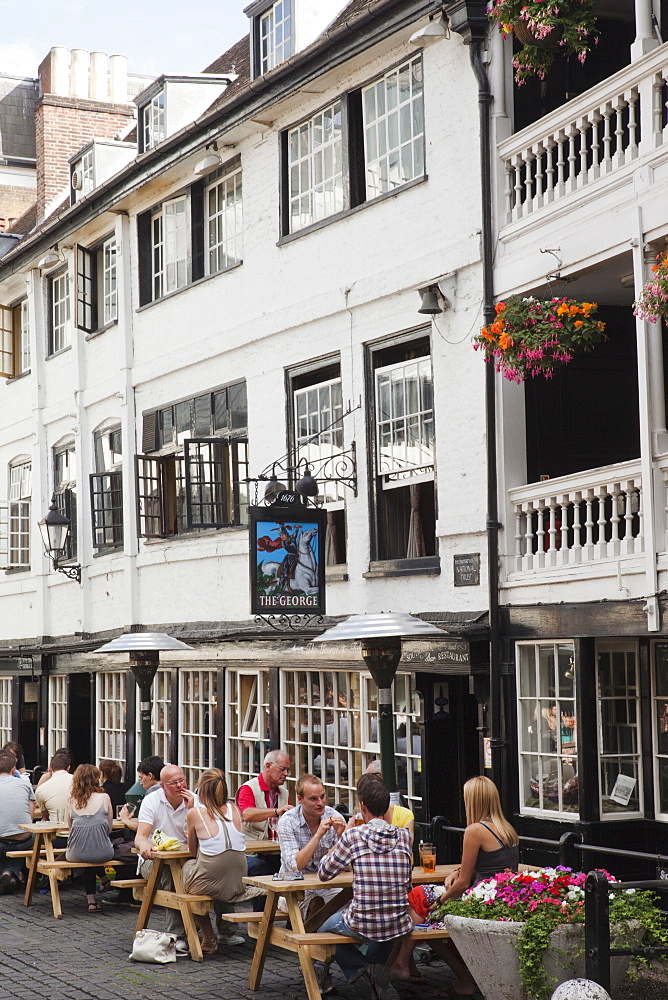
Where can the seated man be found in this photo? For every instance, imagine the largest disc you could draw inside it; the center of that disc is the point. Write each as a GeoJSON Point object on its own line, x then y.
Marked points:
{"type": "Point", "coordinates": [382, 863]}
{"type": "Point", "coordinates": [17, 805]}
{"type": "Point", "coordinates": [148, 775]}
{"type": "Point", "coordinates": [165, 810]}
{"type": "Point", "coordinates": [52, 796]}
{"type": "Point", "coordinates": [262, 801]}
{"type": "Point", "coordinates": [306, 834]}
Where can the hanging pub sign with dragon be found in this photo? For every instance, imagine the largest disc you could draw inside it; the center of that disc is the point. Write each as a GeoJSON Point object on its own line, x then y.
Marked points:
{"type": "Point", "coordinates": [287, 558]}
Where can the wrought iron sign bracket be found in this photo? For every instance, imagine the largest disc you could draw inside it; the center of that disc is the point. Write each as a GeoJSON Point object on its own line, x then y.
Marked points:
{"type": "Point", "coordinates": [291, 623]}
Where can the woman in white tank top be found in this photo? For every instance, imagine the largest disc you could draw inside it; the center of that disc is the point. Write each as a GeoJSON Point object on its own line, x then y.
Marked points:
{"type": "Point", "coordinates": [216, 840]}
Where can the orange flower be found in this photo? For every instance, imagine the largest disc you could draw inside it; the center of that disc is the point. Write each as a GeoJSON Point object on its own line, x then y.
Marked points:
{"type": "Point", "coordinates": [505, 341]}
{"type": "Point", "coordinates": [562, 309]}
{"type": "Point", "coordinates": [499, 307]}
{"type": "Point", "coordinates": [574, 310]}
{"type": "Point", "coordinates": [578, 322]}
{"type": "Point", "coordinates": [486, 334]}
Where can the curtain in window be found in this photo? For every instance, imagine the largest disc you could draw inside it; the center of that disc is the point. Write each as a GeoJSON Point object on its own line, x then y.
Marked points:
{"type": "Point", "coordinates": [416, 547]}
{"type": "Point", "coordinates": [331, 540]}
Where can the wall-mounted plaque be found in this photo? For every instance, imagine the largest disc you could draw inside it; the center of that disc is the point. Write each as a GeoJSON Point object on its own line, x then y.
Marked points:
{"type": "Point", "coordinates": [467, 569]}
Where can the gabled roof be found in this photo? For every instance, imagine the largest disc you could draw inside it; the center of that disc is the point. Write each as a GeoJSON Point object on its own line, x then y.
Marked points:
{"type": "Point", "coordinates": [26, 222]}
{"type": "Point", "coordinates": [353, 8]}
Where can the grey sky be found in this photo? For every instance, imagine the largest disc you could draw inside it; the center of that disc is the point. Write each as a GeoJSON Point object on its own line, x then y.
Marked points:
{"type": "Point", "coordinates": [165, 37]}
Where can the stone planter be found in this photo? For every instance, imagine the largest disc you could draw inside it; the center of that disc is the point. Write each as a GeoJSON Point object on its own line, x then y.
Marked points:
{"type": "Point", "coordinates": [489, 948]}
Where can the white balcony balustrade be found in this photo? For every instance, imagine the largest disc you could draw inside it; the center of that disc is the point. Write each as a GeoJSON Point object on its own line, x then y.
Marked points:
{"type": "Point", "coordinates": [584, 518]}
{"type": "Point", "coordinates": [594, 136]}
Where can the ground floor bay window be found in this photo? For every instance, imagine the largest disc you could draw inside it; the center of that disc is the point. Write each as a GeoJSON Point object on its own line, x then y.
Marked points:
{"type": "Point", "coordinates": [547, 729]}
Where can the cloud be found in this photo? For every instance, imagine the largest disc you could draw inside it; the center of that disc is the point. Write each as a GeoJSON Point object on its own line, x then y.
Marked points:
{"type": "Point", "coordinates": [19, 59]}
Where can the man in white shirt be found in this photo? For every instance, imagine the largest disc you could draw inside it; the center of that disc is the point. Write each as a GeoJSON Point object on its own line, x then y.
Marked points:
{"type": "Point", "coordinates": [53, 795]}
{"type": "Point", "coordinates": [165, 810]}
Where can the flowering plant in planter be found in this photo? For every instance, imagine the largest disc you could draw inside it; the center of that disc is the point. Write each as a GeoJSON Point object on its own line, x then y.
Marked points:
{"type": "Point", "coordinates": [653, 301]}
{"type": "Point", "coordinates": [542, 900]}
{"type": "Point", "coordinates": [530, 336]}
{"type": "Point", "coordinates": [544, 27]}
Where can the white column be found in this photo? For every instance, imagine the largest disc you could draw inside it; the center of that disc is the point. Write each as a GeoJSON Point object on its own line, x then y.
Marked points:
{"type": "Point", "coordinates": [649, 495]}
{"type": "Point", "coordinates": [123, 232]}
{"type": "Point", "coordinates": [655, 351]}
{"type": "Point", "coordinates": [645, 39]}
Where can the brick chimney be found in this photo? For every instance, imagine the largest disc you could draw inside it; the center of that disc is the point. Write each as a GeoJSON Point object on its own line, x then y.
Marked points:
{"type": "Point", "coordinates": [83, 96]}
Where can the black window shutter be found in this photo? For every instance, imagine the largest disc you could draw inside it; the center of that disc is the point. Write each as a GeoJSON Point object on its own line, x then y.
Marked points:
{"type": "Point", "coordinates": [149, 432]}
{"type": "Point", "coordinates": [356, 149]}
{"type": "Point", "coordinates": [197, 224]}
{"type": "Point", "coordinates": [144, 253]}
{"type": "Point", "coordinates": [285, 185]}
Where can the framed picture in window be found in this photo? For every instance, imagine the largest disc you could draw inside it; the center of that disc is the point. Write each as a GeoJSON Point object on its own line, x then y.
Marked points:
{"type": "Point", "coordinates": [287, 560]}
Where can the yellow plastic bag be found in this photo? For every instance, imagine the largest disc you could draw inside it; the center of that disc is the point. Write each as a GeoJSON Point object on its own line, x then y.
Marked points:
{"type": "Point", "coordinates": [161, 842]}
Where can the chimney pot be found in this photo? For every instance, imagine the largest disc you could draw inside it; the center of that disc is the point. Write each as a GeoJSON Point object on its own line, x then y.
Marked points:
{"type": "Point", "coordinates": [79, 73]}
{"type": "Point", "coordinates": [98, 87]}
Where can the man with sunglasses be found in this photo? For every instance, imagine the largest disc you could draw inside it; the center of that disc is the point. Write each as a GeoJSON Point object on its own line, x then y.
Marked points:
{"type": "Point", "coordinates": [165, 810]}
{"type": "Point", "coordinates": [262, 801]}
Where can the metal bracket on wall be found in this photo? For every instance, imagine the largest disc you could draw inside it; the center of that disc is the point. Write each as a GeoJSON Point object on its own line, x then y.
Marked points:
{"type": "Point", "coordinates": [291, 623]}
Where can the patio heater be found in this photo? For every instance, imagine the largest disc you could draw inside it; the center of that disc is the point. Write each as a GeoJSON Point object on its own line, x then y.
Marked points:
{"type": "Point", "coordinates": [381, 637]}
{"type": "Point", "coordinates": [144, 649]}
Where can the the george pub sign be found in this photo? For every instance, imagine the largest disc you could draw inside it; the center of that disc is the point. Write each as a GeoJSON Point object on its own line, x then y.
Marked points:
{"type": "Point", "coordinates": [287, 559]}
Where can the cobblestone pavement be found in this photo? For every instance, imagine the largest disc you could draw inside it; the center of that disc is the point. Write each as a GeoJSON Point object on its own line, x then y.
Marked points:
{"type": "Point", "coordinates": [85, 957]}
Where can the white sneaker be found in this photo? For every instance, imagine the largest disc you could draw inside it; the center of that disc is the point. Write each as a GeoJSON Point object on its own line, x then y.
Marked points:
{"type": "Point", "coordinates": [182, 947]}
{"type": "Point", "coordinates": [231, 939]}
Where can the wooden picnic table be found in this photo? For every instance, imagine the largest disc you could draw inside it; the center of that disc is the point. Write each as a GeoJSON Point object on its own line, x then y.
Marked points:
{"type": "Point", "coordinates": [177, 899]}
{"type": "Point", "coordinates": [42, 859]}
{"type": "Point", "coordinates": [268, 933]}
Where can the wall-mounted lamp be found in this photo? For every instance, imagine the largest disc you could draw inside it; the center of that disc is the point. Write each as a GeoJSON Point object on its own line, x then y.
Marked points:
{"type": "Point", "coordinates": [210, 161]}
{"type": "Point", "coordinates": [430, 305]}
{"type": "Point", "coordinates": [433, 32]}
{"type": "Point", "coordinates": [307, 485]}
{"type": "Point", "coordinates": [273, 488]}
{"type": "Point", "coordinates": [51, 258]}
{"type": "Point", "coordinates": [55, 529]}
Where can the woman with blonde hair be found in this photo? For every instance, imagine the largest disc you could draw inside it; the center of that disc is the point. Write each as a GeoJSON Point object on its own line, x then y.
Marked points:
{"type": "Point", "coordinates": [216, 838]}
{"type": "Point", "coordinates": [490, 846]}
{"type": "Point", "coordinates": [90, 818]}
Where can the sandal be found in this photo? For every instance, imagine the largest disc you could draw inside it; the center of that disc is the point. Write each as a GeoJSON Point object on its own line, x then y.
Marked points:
{"type": "Point", "coordinates": [209, 947]}
{"type": "Point", "coordinates": [94, 908]}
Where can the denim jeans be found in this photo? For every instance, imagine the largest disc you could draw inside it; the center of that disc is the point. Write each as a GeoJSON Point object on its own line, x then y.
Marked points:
{"type": "Point", "coordinates": [262, 866]}
{"type": "Point", "coordinates": [353, 959]}
{"type": "Point", "coordinates": [13, 865]}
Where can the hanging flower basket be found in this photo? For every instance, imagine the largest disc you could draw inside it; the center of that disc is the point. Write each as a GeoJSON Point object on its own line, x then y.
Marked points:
{"type": "Point", "coordinates": [653, 301]}
{"type": "Point", "coordinates": [544, 28]}
{"type": "Point", "coordinates": [526, 36]}
{"type": "Point", "coordinates": [514, 953]}
{"type": "Point", "coordinates": [532, 337]}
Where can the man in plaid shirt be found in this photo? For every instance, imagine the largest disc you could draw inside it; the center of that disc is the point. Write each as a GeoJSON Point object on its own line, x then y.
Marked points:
{"type": "Point", "coordinates": [306, 834]}
{"type": "Point", "coordinates": [382, 863]}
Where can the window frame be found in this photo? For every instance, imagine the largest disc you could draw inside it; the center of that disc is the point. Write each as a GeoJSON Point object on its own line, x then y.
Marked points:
{"type": "Point", "coordinates": [21, 516]}
{"type": "Point", "coordinates": [538, 697]}
{"type": "Point", "coordinates": [263, 64]}
{"type": "Point", "coordinates": [153, 112]}
{"type": "Point", "coordinates": [230, 172]}
{"type": "Point", "coordinates": [59, 330]}
{"type": "Point", "coordinates": [106, 524]}
{"type": "Point", "coordinates": [625, 646]}
{"type": "Point", "coordinates": [309, 160]}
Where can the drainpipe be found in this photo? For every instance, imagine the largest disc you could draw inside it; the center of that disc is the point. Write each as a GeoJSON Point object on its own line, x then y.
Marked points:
{"type": "Point", "coordinates": [469, 19]}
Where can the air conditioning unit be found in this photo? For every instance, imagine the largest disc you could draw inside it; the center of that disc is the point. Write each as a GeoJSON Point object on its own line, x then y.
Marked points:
{"type": "Point", "coordinates": [77, 180]}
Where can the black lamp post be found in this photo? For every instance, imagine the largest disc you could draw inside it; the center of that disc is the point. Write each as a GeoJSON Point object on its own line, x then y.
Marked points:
{"type": "Point", "coordinates": [381, 637]}
{"type": "Point", "coordinates": [55, 529]}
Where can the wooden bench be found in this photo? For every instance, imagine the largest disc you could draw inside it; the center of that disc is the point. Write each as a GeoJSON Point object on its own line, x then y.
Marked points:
{"type": "Point", "coordinates": [56, 870]}
{"type": "Point", "coordinates": [321, 945]}
{"type": "Point", "coordinates": [28, 854]}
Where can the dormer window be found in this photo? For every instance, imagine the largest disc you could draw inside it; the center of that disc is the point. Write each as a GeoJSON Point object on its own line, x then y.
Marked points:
{"type": "Point", "coordinates": [276, 35]}
{"type": "Point", "coordinates": [83, 175]}
{"type": "Point", "coordinates": [152, 122]}
{"type": "Point", "coordinates": [272, 33]}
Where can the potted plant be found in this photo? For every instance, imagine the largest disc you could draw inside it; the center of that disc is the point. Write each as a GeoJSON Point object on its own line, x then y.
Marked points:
{"type": "Point", "coordinates": [523, 934]}
{"type": "Point", "coordinates": [544, 27]}
{"type": "Point", "coordinates": [653, 301]}
{"type": "Point", "coordinates": [533, 336]}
